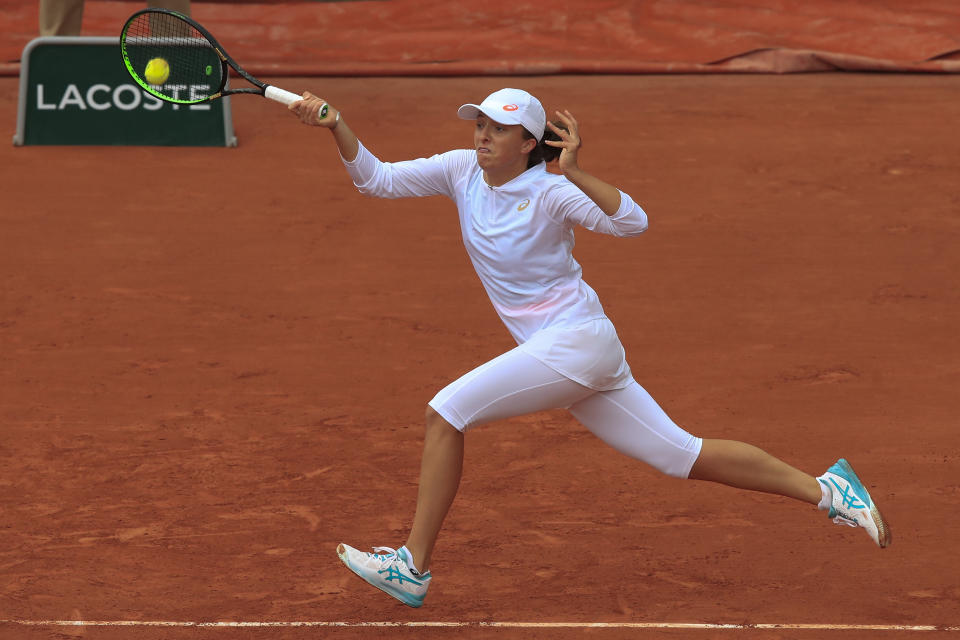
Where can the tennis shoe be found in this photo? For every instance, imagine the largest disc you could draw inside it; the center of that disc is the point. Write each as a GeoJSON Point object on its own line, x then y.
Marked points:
{"type": "Point", "coordinates": [851, 503]}
{"type": "Point", "coordinates": [388, 570]}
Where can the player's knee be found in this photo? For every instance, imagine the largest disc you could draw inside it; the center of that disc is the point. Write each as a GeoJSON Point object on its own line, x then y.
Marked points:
{"type": "Point", "coordinates": [685, 459]}
{"type": "Point", "coordinates": [436, 422]}
{"type": "Point", "coordinates": [674, 459]}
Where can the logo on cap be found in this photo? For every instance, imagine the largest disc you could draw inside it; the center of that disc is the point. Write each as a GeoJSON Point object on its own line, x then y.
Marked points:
{"type": "Point", "coordinates": [510, 107]}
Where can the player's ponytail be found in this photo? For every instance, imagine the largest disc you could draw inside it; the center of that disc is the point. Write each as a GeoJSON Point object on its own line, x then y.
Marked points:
{"type": "Point", "coordinates": [544, 152]}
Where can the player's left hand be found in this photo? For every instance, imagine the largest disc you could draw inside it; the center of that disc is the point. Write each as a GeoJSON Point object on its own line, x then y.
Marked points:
{"type": "Point", "coordinates": [569, 141]}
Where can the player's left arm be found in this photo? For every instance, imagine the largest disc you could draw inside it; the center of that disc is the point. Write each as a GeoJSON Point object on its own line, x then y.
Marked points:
{"type": "Point", "coordinates": [586, 200]}
{"type": "Point", "coordinates": [604, 195]}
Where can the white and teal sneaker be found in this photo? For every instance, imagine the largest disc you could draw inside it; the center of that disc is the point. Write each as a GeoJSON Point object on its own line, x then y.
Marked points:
{"type": "Point", "coordinates": [388, 571]}
{"type": "Point", "coordinates": [851, 503]}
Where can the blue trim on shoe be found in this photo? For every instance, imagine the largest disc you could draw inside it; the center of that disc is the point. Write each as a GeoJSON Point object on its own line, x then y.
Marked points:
{"type": "Point", "coordinates": [393, 574]}
{"type": "Point", "coordinates": [406, 598]}
{"type": "Point", "coordinates": [849, 496]}
{"type": "Point", "coordinates": [843, 469]}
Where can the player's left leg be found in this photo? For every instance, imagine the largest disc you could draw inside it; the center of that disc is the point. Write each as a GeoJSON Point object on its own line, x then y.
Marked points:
{"type": "Point", "coordinates": [744, 466]}
{"type": "Point", "coordinates": [633, 423]}
{"type": "Point", "coordinates": [839, 490]}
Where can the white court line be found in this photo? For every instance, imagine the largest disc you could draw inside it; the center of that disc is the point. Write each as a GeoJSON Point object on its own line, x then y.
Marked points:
{"type": "Point", "coordinates": [527, 625]}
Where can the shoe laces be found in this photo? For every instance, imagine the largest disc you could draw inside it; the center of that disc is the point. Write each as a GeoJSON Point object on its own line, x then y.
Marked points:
{"type": "Point", "coordinates": [390, 556]}
{"type": "Point", "coordinates": [841, 519]}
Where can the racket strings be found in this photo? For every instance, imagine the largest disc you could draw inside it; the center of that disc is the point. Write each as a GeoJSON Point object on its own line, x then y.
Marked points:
{"type": "Point", "coordinates": [195, 72]}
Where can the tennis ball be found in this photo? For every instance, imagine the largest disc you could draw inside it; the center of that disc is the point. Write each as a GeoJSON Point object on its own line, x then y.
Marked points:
{"type": "Point", "coordinates": [157, 71]}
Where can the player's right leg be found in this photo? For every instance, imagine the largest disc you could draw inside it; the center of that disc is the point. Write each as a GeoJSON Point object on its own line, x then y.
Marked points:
{"type": "Point", "coordinates": [512, 384]}
{"type": "Point", "coordinates": [441, 466]}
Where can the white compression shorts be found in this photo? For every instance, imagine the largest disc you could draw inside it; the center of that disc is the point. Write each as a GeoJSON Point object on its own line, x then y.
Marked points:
{"type": "Point", "coordinates": [516, 384]}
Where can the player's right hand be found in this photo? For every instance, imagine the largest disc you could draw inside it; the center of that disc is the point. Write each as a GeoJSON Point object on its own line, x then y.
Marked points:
{"type": "Point", "coordinates": [309, 109]}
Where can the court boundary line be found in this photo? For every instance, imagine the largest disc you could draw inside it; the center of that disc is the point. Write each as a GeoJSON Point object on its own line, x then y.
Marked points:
{"type": "Point", "coordinates": [745, 626]}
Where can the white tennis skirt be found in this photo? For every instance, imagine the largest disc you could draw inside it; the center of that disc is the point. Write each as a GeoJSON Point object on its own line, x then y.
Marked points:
{"type": "Point", "coordinates": [588, 353]}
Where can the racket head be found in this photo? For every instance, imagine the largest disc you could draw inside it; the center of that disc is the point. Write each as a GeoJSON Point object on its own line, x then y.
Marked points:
{"type": "Point", "coordinates": [198, 67]}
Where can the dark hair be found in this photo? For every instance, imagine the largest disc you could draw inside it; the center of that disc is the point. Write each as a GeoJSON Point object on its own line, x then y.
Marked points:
{"type": "Point", "coordinates": [544, 152]}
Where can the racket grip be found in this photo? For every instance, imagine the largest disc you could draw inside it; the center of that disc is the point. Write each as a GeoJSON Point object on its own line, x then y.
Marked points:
{"type": "Point", "coordinates": [286, 97]}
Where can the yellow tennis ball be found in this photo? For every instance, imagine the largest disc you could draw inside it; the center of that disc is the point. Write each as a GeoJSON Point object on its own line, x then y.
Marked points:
{"type": "Point", "coordinates": [157, 71]}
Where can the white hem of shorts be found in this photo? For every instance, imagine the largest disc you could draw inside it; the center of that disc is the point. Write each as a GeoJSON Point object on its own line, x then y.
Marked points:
{"type": "Point", "coordinates": [455, 421]}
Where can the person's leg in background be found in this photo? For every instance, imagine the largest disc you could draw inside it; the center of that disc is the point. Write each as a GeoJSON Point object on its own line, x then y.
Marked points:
{"type": "Point", "coordinates": [65, 17]}
{"type": "Point", "coordinates": [180, 6]}
{"type": "Point", "coordinates": [61, 17]}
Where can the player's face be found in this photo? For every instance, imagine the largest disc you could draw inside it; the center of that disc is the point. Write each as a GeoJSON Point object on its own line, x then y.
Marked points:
{"type": "Point", "coordinates": [500, 145]}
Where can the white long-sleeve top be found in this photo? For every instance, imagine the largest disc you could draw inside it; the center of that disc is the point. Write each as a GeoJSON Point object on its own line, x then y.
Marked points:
{"type": "Point", "coordinates": [519, 237]}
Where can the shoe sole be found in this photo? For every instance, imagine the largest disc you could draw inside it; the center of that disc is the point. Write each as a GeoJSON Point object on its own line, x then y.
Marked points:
{"type": "Point", "coordinates": [403, 597]}
{"type": "Point", "coordinates": [884, 535]}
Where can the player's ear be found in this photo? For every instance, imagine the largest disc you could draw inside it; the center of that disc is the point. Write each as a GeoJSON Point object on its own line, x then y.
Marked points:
{"type": "Point", "coordinates": [529, 144]}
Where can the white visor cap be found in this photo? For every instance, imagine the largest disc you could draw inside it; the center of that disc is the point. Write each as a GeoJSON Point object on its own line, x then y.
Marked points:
{"type": "Point", "coordinates": [510, 106]}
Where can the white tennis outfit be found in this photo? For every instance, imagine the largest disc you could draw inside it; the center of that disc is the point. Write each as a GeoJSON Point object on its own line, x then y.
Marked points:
{"type": "Point", "coordinates": [520, 239]}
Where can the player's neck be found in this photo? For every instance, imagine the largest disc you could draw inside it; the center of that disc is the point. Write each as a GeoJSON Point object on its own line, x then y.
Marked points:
{"type": "Point", "coordinates": [501, 176]}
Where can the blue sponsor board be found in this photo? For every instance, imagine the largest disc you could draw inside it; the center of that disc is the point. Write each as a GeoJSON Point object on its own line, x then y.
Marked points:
{"type": "Point", "coordinates": [76, 91]}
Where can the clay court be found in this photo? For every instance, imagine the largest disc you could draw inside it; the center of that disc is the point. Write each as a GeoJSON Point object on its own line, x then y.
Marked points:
{"type": "Point", "coordinates": [214, 365]}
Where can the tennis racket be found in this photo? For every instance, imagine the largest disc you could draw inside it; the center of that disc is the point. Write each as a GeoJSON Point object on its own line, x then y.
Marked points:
{"type": "Point", "coordinates": [192, 65]}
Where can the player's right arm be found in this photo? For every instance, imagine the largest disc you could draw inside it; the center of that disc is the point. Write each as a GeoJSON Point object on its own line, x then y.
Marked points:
{"type": "Point", "coordinates": [421, 177]}
{"type": "Point", "coordinates": [308, 110]}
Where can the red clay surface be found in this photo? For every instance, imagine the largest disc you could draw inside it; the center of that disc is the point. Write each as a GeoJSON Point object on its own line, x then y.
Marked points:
{"type": "Point", "coordinates": [430, 37]}
{"type": "Point", "coordinates": [214, 364]}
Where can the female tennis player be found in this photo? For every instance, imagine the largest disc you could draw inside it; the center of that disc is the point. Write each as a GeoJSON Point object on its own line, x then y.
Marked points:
{"type": "Point", "coordinates": [517, 222]}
